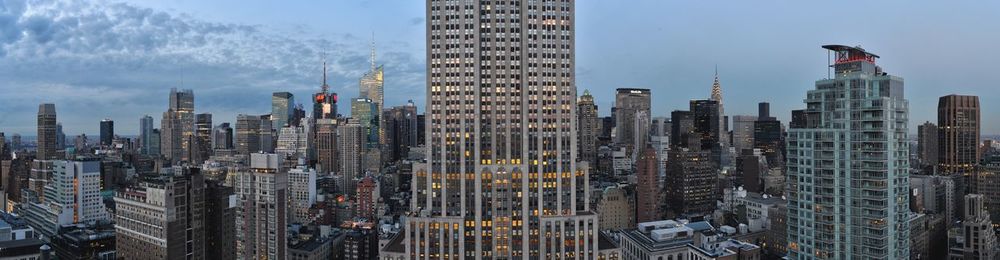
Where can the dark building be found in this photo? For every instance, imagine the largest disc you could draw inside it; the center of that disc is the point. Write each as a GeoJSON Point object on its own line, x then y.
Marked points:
{"type": "Point", "coordinates": [767, 136]}
{"type": "Point", "coordinates": [22, 249]}
{"type": "Point", "coordinates": [202, 139]}
{"type": "Point", "coordinates": [113, 174]}
{"type": "Point", "coordinates": [708, 126]}
{"type": "Point", "coordinates": [46, 137]}
{"type": "Point", "coordinates": [927, 144]}
{"type": "Point", "coordinates": [958, 134]}
{"type": "Point", "coordinates": [107, 132]}
{"type": "Point", "coordinates": [162, 217]}
{"type": "Point", "coordinates": [630, 103]}
{"type": "Point", "coordinates": [324, 102]}
{"type": "Point", "coordinates": [587, 128]}
{"type": "Point", "coordinates": [682, 130]}
{"type": "Point", "coordinates": [361, 244]}
{"type": "Point", "coordinates": [763, 110]}
{"type": "Point", "coordinates": [750, 167]}
{"type": "Point", "coordinates": [421, 121]}
{"type": "Point", "coordinates": [220, 221]}
{"type": "Point", "coordinates": [80, 243]}
{"type": "Point", "coordinates": [693, 182]}
{"type": "Point", "coordinates": [400, 131]}
{"type": "Point", "coordinates": [222, 138]}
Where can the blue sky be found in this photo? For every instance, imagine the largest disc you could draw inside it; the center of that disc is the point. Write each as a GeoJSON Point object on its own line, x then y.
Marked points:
{"type": "Point", "coordinates": [112, 59]}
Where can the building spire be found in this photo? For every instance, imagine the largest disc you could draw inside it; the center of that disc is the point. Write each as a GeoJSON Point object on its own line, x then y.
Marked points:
{"type": "Point", "coordinates": [325, 86]}
{"type": "Point", "coordinates": [373, 52]}
{"type": "Point", "coordinates": [716, 86]}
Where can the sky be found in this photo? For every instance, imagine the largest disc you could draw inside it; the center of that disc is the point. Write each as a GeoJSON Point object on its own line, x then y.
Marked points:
{"type": "Point", "coordinates": [119, 59]}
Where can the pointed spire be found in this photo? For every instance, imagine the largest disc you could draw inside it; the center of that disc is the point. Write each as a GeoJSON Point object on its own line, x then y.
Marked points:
{"type": "Point", "coordinates": [325, 86]}
{"type": "Point", "coordinates": [716, 86]}
{"type": "Point", "coordinates": [373, 52]}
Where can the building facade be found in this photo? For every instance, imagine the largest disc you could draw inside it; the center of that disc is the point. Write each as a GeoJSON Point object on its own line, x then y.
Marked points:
{"type": "Point", "coordinates": [958, 134]}
{"type": "Point", "coordinates": [587, 127]}
{"type": "Point", "coordinates": [848, 165]}
{"type": "Point", "coordinates": [648, 197]}
{"type": "Point", "coordinates": [46, 133]}
{"type": "Point", "coordinates": [261, 218]}
{"type": "Point", "coordinates": [629, 104]}
{"type": "Point", "coordinates": [927, 144]}
{"type": "Point", "coordinates": [162, 218]}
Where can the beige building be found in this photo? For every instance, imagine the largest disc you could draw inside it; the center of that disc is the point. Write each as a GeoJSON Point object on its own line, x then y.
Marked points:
{"type": "Point", "coordinates": [162, 218]}
{"type": "Point", "coordinates": [615, 209]}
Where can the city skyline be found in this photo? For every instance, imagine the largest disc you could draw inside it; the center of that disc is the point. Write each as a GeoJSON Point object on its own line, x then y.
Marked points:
{"type": "Point", "coordinates": [126, 72]}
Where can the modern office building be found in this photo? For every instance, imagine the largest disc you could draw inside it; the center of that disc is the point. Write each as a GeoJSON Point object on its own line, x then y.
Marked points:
{"type": "Point", "coordinates": [629, 104]}
{"type": "Point", "coordinates": [146, 135]}
{"type": "Point", "coordinates": [163, 217]}
{"type": "Point", "coordinates": [691, 189]}
{"type": "Point", "coordinates": [253, 134]}
{"type": "Point", "coordinates": [46, 137]}
{"type": "Point", "coordinates": [201, 141]}
{"type": "Point", "coordinates": [222, 137]}
{"type": "Point", "coordinates": [958, 134]}
{"type": "Point", "coordinates": [743, 129]}
{"type": "Point", "coordinates": [365, 112]}
{"type": "Point", "coordinates": [60, 138]}
{"type": "Point", "coordinates": [282, 109]}
{"type": "Point", "coordinates": [400, 131]}
{"type": "Point", "coordinates": [708, 126]}
{"type": "Point", "coordinates": [107, 132]}
{"type": "Point", "coordinates": [768, 137]}
{"type": "Point", "coordinates": [177, 125]}
{"type": "Point", "coordinates": [371, 88]}
{"type": "Point", "coordinates": [927, 144]}
{"type": "Point", "coordinates": [848, 165]}
{"type": "Point", "coordinates": [587, 127]}
{"type": "Point", "coordinates": [501, 177]}
{"type": "Point", "coordinates": [261, 218]}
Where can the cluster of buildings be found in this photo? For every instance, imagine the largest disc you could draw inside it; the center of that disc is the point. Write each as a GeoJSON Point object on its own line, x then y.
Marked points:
{"type": "Point", "coordinates": [509, 162]}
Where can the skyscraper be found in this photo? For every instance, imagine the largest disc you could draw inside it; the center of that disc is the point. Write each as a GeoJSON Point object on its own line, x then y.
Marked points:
{"type": "Point", "coordinates": [743, 132]}
{"type": "Point", "coordinates": [301, 192]}
{"type": "Point", "coordinates": [723, 122]}
{"type": "Point", "coordinates": [201, 147]}
{"type": "Point", "coordinates": [162, 218]}
{"type": "Point", "coordinates": [648, 197]}
{"type": "Point", "coordinates": [60, 137]}
{"type": "Point", "coordinates": [107, 132]}
{"type": "Point", "coordinates": [177, 125]}
{"type": "Point", "coordinates": [692, 182]}
{"type": "Point", "coordinates": [250, 133]}
{"type": "Point", "coordinates": [324, 102]}
{"type": "Point", "coordinates": [927, 144]}
{"type": "Point", "coordinates": [261, 219]}
{"type": "Point", "coordinates": [371, 87]}
{"type": "Point", "coordinates": [958, 134]}
{"type": "Point", "coordinates": [351, 152]}
{"type": "Point", "coordinates": [222, 137]}
{"type": "Point", "coordinates": [707, 126]}
{"type": "Point", "coordinates": [282, 109]}
{"type": "Point", "coordinates": [146, 134]}
{"type": "Point", "coordinates": [366, 113]}
{"type": "Point", "coordinates": [848, 165]}
{"type": "Point", "coordinates": [46, 132]}
{"type": "Point", "coordinates": [326, 146]}
{"type": "Point", "coordinates": [400, 131]}
{"type": "Point", "coordinates": [629, 102]}
{"type": "Point", "coordinates": [587, 128]}
{"type": "Point", "coordinates": [292, 142]}
{"type": "Point", "coordinates": [501, 179]}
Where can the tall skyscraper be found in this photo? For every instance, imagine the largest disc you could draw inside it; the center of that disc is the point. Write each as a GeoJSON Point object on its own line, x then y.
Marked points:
{"type": "Point", "coordinates": [587, 125]}
{"type": "Point", "coordinates": [848, 165]}
{"type": "Point", "coordinates": [60, 137]}
{"type": "Point", "coordinates": [146, 134]}
{"type": "Point", "coordinates": [927, 144]}
{"type": "Point", "coordinates": [201, 145]}
{"type": "Point", "coordinates": [629, 102]}
{"type": "Point", "coordinates": [162, 218]}
{"type": "Point", "coordinates": [46, 137]}
{"type": "Point", "coordinates": [691, 189]}
{"type": "Point", "coordinates": [351, 152]}
{"type": "Point", "coordinates": [107, 132]}
{"type": "Point", "coordinates": [371, 87]}
{"type": "Point", "coordinates": [723, 121]}
{"type": "Point", "coordinates": [400, 131]}
{"type": "Point", "coordinates": [743, 132]}
{"type": "Point", "coordinates": [177, 125]}
{"type": "Point", "coordinates": [767, 136]}
{"type": "Point", "coordinates": [324, 102]}
{"type": "Point", "coordinates": [262, 217]}
{"type": "Point", "coordinates": [648, 197]}
{"type": "Point", "coordinates": [326, 146]}
{"type": "Point", "coordinates": [958, 134]}
{"type": "Point", "coordinates": [282, 109]}
{"type": "Point", "coordinates": [501, 178]}
{"type": "Point", "coordinates": [252, 133]}
{"type": "Point", "coordinates": [708, 126]}
{"type": "Point", "coordinates": [365, 112]}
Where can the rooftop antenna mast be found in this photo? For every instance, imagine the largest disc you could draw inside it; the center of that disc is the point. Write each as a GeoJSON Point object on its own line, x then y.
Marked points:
{"type": "Point", "coordinates": [373, 52]}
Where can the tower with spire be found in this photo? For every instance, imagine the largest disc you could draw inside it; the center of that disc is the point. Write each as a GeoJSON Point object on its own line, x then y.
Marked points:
{"type": "Point", "coordinates": [723, 120]}
{"type": "Point", "coordinates": [324, 102]}
{"type": "Point", "coordinates": [372, 88]}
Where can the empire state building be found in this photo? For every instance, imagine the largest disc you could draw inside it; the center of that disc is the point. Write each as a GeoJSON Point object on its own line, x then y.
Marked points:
{"type": "Point", "coordinates": [501, 179]}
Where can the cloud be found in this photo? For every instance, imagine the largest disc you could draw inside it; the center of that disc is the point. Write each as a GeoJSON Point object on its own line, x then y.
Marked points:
{"type": "Point", "coordinates": [98, 59]}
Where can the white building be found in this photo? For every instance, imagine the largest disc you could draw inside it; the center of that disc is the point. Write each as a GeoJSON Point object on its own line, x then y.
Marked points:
{"type": "Point", "coordinates": [72, 195]}
{"type": "Point", "coordinates": [301, 192]}
{"type": "Point", "coordinates": [293, 141]}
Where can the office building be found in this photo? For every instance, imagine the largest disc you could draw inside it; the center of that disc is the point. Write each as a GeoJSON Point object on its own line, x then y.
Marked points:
{"type": "Point", "coordinates": [400, 131]}
{"type": "Point", "coordinates": [371, 88]}
{"type": "Point", "coordinates": [201, 141]}
{"type": "Point", "coordinates": [60, 137]}
{"type": "Point", "coordinates": [293, 142]}
{"type": "Point", "coordinates": [648, 197]}
{"type": "Point", "coordinates": [927, 144]}
{"type": "Point", "coordinates": [326, 146]}
{"type": "Point", "coordinates": [365, 113]}
{"type": "Point", "coordinates": [107, 132]}
{"type": "Point", "coordinates": [177, 125]}
{"type": "Point", "coordinates": [708, 127]}
{"type": "Point", "coordinates": [723, 125]}
{"type": "Point", "coordinates": [853, 139]}
{"type": "Point", "coordinates": [163, 217]}
{"type": "Point", "coordinates": [46, 137]}
{"type": "Point", "coordinates": [146, 135]}
{"type": "Point", "coordinates": [616, 208]}
{"type": "Point", "coordinates": [222, 137]}
{"type": "Point", "coordinates": [986, 182]}
{"type": "Point", "coordinates": [587, 127]}
{"type": "Point", "coordinates": [691, 189]}
{"type": "Point", "coordinates": [768, 137]}
{"type": "Point", "coordinates": [253, 134]}
{"type": "Point", "coordinates": [743, 131]}
{"type": "Point", "coordinates": [504, 134]}
{"type": "Point", "coordinates": [282, 109]}
{"type": "Point", "coordinates": [629, 104]}
{"type": "Point", "coordinates": [261, 218]}
{"type": "Point", "coordinates": [351, 151]}
{"type": "Point", "coordinates": [958, 134]}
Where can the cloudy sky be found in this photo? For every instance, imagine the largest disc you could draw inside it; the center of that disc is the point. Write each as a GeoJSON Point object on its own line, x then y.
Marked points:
{"type": "Point", "coordinates": [112, 59]}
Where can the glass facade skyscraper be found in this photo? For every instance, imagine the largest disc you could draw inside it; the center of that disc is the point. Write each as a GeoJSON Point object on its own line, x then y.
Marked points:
{"type": "Point", "coordinates": [848, 165]}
